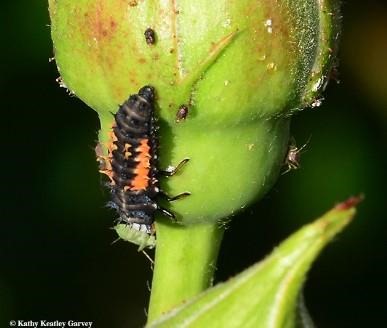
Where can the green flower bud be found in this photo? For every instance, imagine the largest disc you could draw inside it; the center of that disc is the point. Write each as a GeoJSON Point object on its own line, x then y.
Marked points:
{"type": "Point", "coordinates": [240, 68]}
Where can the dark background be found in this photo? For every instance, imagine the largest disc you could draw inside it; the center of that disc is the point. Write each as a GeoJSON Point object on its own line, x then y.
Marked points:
{"type": "Point", "coordinates": [57, 261]}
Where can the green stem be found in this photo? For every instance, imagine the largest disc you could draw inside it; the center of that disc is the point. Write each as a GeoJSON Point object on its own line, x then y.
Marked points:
{"type": "Point", "coordinates": [185, 262]}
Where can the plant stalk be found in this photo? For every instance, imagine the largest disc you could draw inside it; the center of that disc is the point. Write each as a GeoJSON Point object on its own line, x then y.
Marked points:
{"type": "Point", "coordinates": [185, 262]}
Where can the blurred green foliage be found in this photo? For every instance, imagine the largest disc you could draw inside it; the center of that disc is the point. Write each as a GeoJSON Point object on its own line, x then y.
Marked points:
{"type": "Point", "coordinates": [57, 259]}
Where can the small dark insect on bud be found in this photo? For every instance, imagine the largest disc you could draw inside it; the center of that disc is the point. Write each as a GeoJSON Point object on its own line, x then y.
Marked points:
{"type": "Point", "coordinates": [150, 36]}
{"type": "Point", "coordinates": [292, 160]}
{"type": "Point", "coordinates": [181, 113]}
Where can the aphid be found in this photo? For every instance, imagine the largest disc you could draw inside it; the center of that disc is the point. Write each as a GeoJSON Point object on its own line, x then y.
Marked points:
{"type": "Point", "coordinates": [181, 113]}
{"type": "Point", "coordinates": [292, 159]}
{"type": "Point", "coordinates": [135, 233]}
{"type": "Point", "coordinates": [131, 165]}
{"type": "Point", "coordinates": [150, 36]}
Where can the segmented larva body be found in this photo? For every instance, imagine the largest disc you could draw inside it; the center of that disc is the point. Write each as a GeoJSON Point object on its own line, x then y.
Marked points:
{"type": "Point", "coordinates": [131, 163]}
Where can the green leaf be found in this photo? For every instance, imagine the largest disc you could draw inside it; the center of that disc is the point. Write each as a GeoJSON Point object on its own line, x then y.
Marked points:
{"type": "Point", "coordinates": [266, 294]}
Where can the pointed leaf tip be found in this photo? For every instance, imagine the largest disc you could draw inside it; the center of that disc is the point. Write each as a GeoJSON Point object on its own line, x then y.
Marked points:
{"type": "Point", "coordinates": [350, 202]}
{"type": "Point", "coordinates": [265, 295]}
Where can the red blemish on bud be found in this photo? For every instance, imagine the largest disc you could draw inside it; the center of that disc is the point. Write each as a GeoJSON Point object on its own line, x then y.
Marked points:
{"type": "Point", "coordinates": [349, 203]}
{"type": "Point", "coordinates": [99, 21]}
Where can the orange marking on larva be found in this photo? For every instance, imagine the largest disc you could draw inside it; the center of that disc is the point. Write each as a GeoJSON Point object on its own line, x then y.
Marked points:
{"type": "Point", "coordinates": [98, 150]}
{"type": "Point", "coordinates": [112, 136]}
{"type": "Point", "coordinates": [109, 174]}
{"type": "Point", "coordinates": [110, 145]}
{"type": "Point", "coordinates": [107, 162]}
{"type": "Point", "coordinates": [141, 179]}
{"type": "Point", "coordinates": [127, 153]}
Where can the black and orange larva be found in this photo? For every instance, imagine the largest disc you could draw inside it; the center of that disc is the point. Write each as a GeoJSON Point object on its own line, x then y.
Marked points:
{"type": "Point", "coordinates": [132, 163]}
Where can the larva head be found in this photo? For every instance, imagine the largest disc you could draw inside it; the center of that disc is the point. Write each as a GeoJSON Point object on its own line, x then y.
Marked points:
{"type": "Point", "coordinates": [148, 93]}
{"type": "Point", "coordinates": [138, 110]}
